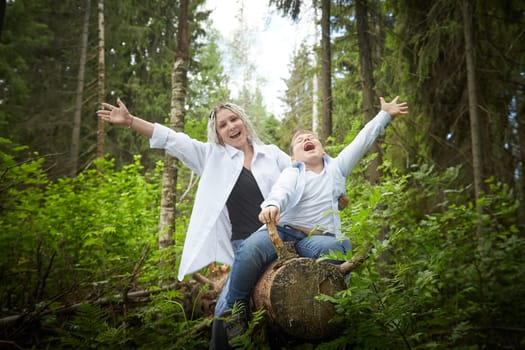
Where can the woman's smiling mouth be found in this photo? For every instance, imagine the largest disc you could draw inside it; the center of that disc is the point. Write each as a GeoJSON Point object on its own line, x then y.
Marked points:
{"type": "Point", "coordinates": [235, 135]}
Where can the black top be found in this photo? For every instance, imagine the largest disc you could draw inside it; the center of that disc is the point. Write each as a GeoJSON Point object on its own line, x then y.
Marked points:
{"type": "Point", "coordinates": [244, 206]}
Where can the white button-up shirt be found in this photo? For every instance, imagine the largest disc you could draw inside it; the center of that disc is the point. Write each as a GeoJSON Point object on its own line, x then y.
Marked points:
{"type": "Point", "coordinates": [209, 231]}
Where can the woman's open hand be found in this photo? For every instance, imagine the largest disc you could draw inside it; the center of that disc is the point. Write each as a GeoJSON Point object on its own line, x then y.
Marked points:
{"type": "Point", "coordinates": [116, 115]}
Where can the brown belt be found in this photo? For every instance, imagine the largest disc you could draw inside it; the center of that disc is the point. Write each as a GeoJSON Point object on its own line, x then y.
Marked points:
{"type": "Point", "coordinates": [307, 231]}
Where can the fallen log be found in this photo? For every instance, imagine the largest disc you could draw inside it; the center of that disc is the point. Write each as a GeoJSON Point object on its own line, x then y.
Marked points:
{"type": "Point", "coordinates": [289, 288]}
{"type": "Point", "coordinates": [288, 292]}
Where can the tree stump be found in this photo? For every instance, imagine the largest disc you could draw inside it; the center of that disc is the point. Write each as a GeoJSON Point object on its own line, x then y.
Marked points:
{"type": "Point", "coordinates": [288, 291]}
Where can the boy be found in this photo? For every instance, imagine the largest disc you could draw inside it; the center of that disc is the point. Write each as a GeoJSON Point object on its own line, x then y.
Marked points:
{"type": "Point", "coordinates": [304, 204]}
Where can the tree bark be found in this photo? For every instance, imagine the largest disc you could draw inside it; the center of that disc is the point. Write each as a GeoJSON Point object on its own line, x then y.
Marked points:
{"type": "Point", "coordinates": [520, 119]}
{"type": "Point", "coordinates": [77, 117]}
{"type": "Point", "coordinates": [101, 77]}
{"type": "Point", "coordinates": [179, 82]}
{"type": "Point", "coordinates": [367, 81]}
{"type": "Point", "coordinates": [326, 70]}
{"type": "Point", "coordinates": [288, 292]}
{"type": "Point", "coordinates": [2, 15]}
{"type": "Point", "coordinates": [470, 56]}
{"type": "Point", "coordinates": [315, 82]}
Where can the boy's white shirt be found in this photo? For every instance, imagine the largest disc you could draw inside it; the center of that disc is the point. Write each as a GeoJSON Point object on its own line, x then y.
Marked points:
{"type": "Point", "coordinates": [289, 188]}
{"type": "Point", "coordinates": [209, 230]}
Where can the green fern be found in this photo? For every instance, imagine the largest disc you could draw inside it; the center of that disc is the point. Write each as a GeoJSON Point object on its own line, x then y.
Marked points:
{"type": "Point", "coordinates": [89, 329]}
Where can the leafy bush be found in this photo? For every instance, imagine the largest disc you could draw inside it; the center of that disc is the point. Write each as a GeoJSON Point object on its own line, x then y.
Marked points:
{"type": "Point", "coordinates": [441, 274]}
{"type": "Point", "coordinates": [86, 231]}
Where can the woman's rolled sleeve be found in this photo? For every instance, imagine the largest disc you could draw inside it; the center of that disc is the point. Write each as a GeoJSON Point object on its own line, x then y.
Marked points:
{"type": "Point", "coordinates": [159, 139]}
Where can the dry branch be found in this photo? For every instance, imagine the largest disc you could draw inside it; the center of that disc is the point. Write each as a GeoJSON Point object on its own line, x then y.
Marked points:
{"type": "Point", "coordinates": [104, 301]}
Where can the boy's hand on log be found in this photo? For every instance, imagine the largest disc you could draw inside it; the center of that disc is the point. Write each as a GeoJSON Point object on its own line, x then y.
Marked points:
{"type": "Point", "coordinates": [269, 214]}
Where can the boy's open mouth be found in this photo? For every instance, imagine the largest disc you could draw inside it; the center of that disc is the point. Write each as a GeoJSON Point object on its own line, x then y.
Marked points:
{"type": "Point", "coordinates": [308, 146]}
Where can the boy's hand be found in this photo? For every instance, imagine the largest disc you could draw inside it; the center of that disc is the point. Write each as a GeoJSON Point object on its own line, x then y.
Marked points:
{"type": "Point", "coordinates": [393, 108]}
{"type": "Point", "coordinates": [269, 214]}
{"type": "Point", "coordinates": [342, 202]}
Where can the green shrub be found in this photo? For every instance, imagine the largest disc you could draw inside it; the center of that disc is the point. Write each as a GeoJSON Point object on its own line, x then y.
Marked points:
{"type": "Point", "coordinates": [441, 274]}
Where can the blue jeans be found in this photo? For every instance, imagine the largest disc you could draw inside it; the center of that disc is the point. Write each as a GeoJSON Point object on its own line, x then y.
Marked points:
{"type": "Point", "coordinates": [257, 252]}
{"type": "Point", "coordinates": [220, 306]}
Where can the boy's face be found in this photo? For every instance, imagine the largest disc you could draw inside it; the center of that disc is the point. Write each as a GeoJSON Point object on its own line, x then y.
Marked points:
{"type": "Point", "coordinates": [307, 148]}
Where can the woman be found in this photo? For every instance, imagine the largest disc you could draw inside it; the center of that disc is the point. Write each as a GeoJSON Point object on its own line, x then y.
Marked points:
{"type": "Point", "coordinates": [237, 172]}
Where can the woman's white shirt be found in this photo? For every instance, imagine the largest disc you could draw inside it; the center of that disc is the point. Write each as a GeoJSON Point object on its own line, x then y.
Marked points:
{"type": "Point", "coordinates": [209, 231]}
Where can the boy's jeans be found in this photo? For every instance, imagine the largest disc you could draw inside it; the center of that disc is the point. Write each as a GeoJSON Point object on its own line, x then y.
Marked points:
{"type": "Point", "coordinates": [256, 252]}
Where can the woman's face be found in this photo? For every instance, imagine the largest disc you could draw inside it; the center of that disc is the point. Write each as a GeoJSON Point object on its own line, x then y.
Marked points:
{"type": "Point", "coordinates": [231, 129]}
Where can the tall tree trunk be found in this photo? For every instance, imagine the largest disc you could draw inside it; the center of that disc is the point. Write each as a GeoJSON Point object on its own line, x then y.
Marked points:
{"type": "Point", "coordinates": [179, 82]}
{"type": "Point", "coordinates": [77, 117]}
{"type": "Point", "coordinates": [315, 82]}
{"type": "Point", "coordinates": [2, 15]}
{"type": "Point", "coordinates": [315, 101]}
{"type": "Point", "coordinates": [477, 163]}
{"type": "Point", "coordinates": [367, 80]}
{"type": "Point", "coordinates": [520, 119]}
{"type": "Point", "coordinates": [326, 70]}
{"type": "Point", "coordinates": [101, 77]}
